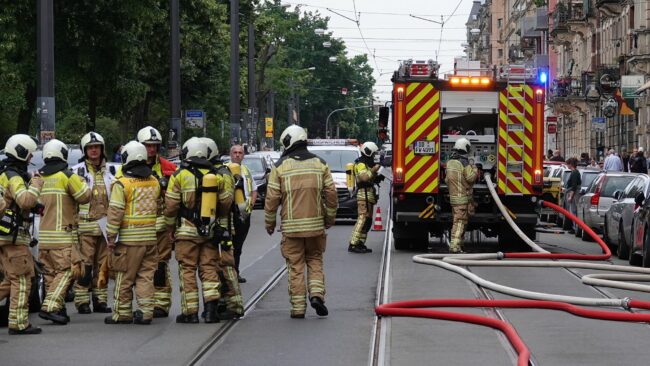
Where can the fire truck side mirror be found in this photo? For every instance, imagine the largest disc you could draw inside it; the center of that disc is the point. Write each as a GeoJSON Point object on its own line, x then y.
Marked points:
{"type": "Point", "coordinates": [383, 117]}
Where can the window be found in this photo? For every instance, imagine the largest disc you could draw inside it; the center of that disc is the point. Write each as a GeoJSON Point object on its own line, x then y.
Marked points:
{"type": "Point", "coordinates": [500, 52]}
{"type": "Point", "coordinates": [499, 23]}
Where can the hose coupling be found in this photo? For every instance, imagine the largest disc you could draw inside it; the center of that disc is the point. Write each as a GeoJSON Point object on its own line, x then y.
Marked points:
{"type": "Point", "coordinates": [500, 255]}
{"type": "Point", "coordinates": [625, 303]}
{"type": "Point", "coordinates": [540, 203]}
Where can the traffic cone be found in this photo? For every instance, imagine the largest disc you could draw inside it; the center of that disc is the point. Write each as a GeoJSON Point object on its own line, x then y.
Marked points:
{"type": "Point", "coordinates": [378, 226]}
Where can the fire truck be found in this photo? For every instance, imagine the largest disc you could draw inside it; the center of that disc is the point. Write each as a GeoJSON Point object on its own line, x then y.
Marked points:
{"type": "Point", "coordinates": [500, 110]}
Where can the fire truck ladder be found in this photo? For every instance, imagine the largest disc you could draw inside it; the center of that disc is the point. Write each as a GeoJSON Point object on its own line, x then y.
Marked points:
{"type": "Point", "coordinates": [516, 114]}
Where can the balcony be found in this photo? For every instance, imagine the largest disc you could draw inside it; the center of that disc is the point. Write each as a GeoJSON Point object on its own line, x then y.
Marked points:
{"type": "Point", "coordinates": [567, 87]}
{"type": "Point", "coordinates": [570, 17]}
{"type": "Point", "coordinates": [527, 26]}
{"type": "Point", "coordinates": [610, 8]}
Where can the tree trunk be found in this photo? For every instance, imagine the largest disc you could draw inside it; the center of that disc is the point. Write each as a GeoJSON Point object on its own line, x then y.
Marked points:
{"type": "Point", "coordinates": [25, 114]}
{"type": "Point", "coordinates": [91, 124]}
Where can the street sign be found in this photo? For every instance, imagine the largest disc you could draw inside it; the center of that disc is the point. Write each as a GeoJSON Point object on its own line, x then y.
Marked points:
{"type": "Point", "coordinates": [194, 118]}
{"type": "Point", "coordinates": [629, 84]}
{"type": "Point", "coordinates": [551, 128]}
{"type": "Point", "coordinates": [598, 123]}
{"type": "Point", "coordinates": [268, 126]}
{"type": "Point", "coordinates": [344, 91]}
{"type": "Point", "coordinates": [551, 118]}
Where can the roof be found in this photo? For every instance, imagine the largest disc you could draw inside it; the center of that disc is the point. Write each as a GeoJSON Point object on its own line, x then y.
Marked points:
{"type": "Point", "coordinates": [473, 14]}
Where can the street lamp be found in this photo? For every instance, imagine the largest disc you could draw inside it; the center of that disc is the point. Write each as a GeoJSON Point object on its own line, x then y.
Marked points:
{"type": "Point", "coordinates": [327, 121]}
{"type": "Point", "coordinates": [292, 99]}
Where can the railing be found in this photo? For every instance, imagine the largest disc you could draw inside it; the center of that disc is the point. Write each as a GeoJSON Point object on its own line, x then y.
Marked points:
{"type": "Point", "coordinates": [567, 87]}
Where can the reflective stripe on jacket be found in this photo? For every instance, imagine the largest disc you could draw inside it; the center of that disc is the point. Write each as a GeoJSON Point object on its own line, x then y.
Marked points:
{"type": "Point", "coordinates": [15, 190]}
{"type": "Point", "coordinates": [132, 210]}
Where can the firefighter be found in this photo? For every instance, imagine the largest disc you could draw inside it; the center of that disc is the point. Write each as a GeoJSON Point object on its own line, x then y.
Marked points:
{"type": "Point", "coordinates": [132, 220]}
{"type": "Point", "coordinates": [161, 169]}
{"type": "Point", "coordinates": [233, 303]}
{"type": "Point", "coordinates": [16, 259]}
{"type": "Point", "coordinates": [460, 177]}
{"type": "Point", "coordinates": [302, 183]}
{"type": "Point", "coordinates": [61, 195]}
{"type": "Point", "coordinates": [92, 224]}
{"type": "Point", "coordinates": [365, 174]}
{"type": "Point", "coordinates": [194, 250]}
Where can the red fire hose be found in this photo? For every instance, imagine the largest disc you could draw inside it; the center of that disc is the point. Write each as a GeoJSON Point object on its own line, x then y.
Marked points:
{"type": "Point", "coordinates": [412, 308]}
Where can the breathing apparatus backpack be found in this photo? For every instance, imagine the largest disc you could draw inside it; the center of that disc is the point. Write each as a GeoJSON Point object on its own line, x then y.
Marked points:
{"type": "Point", "coordinates": [10, 218]}
{"type": "Point", "coordinates": [204, 213]}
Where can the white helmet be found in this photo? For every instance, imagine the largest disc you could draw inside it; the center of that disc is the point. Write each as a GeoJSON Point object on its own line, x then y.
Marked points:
{"type": "Point", "coordinates": [462, 145]}
{"type": "Point", "coordinates": [91, 139]}
{"type": "Point", "coordinates": [55, 149]}
{"type": "Point", "coordinates": [369, 148]}
{"type": "Point", "coordinates": [194, 148]}
{"type": "Point", "coordinates": [213, 149]}
{"type": "Point", "coordinates": [20, 147]}
{"type": "Point", "coordinates": [149, 135]}
{"type": "Point", "coordinates": [291, 135]}
{"type": "Point", "coordinates": [133, 151]}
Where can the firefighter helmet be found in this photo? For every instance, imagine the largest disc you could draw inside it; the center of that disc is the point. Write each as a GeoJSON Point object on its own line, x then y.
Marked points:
{"type": "Point", "coordinates": [133, 152]}
{"type": "Point", "coordinates": [369, 148]}
{"type": "Point", "coordinates": [213, 149]}
{"type": "Point", "coordinates": [20, 147]}
{"type": "Point", "coordinates": [194, 148]}
{"type": "Point", "coordinates": [291, 135]}
{"type": "Point", "coordinates": [462, 145]}
{"type": "Point", "coordinates": [149, 135]}
{"type": "Point", "coordinates": [91, 139]}
{"type": "Point", "coordinates": [55, 150]}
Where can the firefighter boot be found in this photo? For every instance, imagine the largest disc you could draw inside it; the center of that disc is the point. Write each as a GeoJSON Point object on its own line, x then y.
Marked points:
{"type": "Point", "coordinates": [109, 320]}
{"type": "Point", "coordinates": [138, 318]}
{"type": "Point", "coordinates": [359, 248]}
{"type": "Point", "coordinates": [54, 316]}
{"type": "Point", "coordinates": [160, 313]}
{"type": "Point", "coordinates": [319, 305]}
{"type": "Point", "coordinates": [210, 313]}
{"type": "Point", "coordinates": [100, 307]}
{"type": "Point", "coordinates": [187, 319]}
{"type": "Point", "coordinates": [84, 309]}
{"type": "Point", "coordinates": [64, 313]}
{"type": "Point", "coordinates": [29, 330]}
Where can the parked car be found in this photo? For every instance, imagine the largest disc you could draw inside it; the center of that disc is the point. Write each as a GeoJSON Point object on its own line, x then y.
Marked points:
{"type": "Point", "coordinates": [620, 217]}
{"type": "Point", "coordinates": [260, 170]}
{"type": "Point", "coordinates": [639, 244]}
{"type": "Point", "coordinates": [271, 156]}
{"type": "Point", "coordinates": [550, 192]}
{"type": "Point", "coordinates": [587, 175]}
{"type": "Point", "coordinates": [599, 197]}
{"type": "Point", "coordinates": [74, 154]}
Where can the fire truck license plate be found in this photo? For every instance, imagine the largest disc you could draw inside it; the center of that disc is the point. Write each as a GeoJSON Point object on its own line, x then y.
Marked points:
{"type": "Point", "coordinates": [425, 147]}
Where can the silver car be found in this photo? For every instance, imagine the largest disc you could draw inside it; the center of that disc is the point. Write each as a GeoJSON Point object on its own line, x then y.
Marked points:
{"type": "Point", "coordinates": [597, 200]}
{"type": "Point", "coordinates": [587, 175]}
{"type": "Point", "coordinates": [620, 217]}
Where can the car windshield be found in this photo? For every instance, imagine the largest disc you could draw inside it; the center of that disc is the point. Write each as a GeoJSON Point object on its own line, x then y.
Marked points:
{"type": "Point", "coordinates": [337, 159]}
{"type": "Point", "coordinates": [254, 164]}
{"type": "Point", "coordinates": [588, 177]}
{"type": "Point", "coordinates": [613, 184]}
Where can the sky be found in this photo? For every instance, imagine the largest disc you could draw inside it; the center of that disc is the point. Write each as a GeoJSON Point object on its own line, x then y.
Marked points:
{"type": "Point", "coordinates": [387, 33]}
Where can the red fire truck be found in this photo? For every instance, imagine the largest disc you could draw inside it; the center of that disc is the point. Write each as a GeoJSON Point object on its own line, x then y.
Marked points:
{"type": "Point", "coordinates": [501, 112]}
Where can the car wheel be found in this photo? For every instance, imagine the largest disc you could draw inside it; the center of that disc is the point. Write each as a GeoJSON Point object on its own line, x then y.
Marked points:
{"type": "Point", "coordinates": [646, 250]}
{"type": "Point", "coordinates": [606, 235]}
{"type": "Point", "coordinates": [634, 259]}
{"type": "Point", "coordinates": [623, 251]}
{"type": "Point", "coordinates": [567, 224]}
{"type": "Point", "coordinates": [585, 236]}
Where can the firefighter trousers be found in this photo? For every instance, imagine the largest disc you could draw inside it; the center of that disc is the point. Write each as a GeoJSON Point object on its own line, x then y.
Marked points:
{"type": "Point", "coordinates": [232, 294]}
{"type": "Point", "coordinates": [93, 252]}
{"type": "Point", "coordinates": [460, 217]}
{"type": "Point", "coordinates": [193, 255]}
{"type": "Point", "coordinates": [57, 268]}
{"type": "Point", "coordinates": [163, 294]}
{"type": "Point", "coordinates": [298, 252]}
{"type": "Point", "coordinates": [134, 266]}
{"type": "Point", "coordinates": [364, 222]}
{"type": "Point", "coordinates": [18, 267]}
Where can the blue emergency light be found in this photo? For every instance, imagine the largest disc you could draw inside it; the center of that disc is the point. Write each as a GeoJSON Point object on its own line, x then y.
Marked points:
{"type": "Point", "coordinates": [542, 77]}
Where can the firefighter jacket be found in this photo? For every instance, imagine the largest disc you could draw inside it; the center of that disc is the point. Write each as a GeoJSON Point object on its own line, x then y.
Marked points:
{"type": "Point", "coordinates": [132, 210]}
{"type": "Point", "coordinates": [99, 181]}
{"type": "Point", "coordinates": [303, 184]}
{"type": "Point", "coordinates": [18, 196]}
{"type": "Point", "coordinates": [365, 180]}
{"type": "Point", "coordinates": [460, 178]}
{"type": "Point", "coordinates": [61, 195]}
{"type": "Point", "coordinates": [182, 200]}
{"type": "Point", "coordinates": [226, 196]}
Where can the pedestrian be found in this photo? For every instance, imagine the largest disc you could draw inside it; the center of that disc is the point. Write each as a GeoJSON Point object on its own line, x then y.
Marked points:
{"type": "Point", "coordinates": [131, 231]}
{"type": "Point", "coordinates": [162, 169]}
{"type": "Point", "coordinates": [232, 302]}
{"type": "Point", "coordinates": [612, 162]}
{"type": "Point", "coordinates": [302, 183]}
{"type": "Point", "coordinates": [61, 195]}
{"type": "Point", "coordinates": [250, 195]}
{"type": "Point", "coordinates": [117, 157]}
{"type": "Point", "coordinates": [460, 177]}
{"type": "Point", "coordinates": [640, 164]}
{"type": "Point", "coordinates": [571, 188]}
{"type": "Point", "coordinates": [557, 156]}
{"type": "Point", "coordinates": [20, 195]}
{"type": "Point", "coordinates": [593, 163]}
{"type": "Point", "coordinates": [626, 161]}
{"type": "Point", "coordinates": [584, 159]}
{"type": "Point", "coordinates": [365, 174]}
{"type": "Point", "coordinates": [195, 250]}
{"type": "Point", "coordinates": [632, 158]}
{"type": "Point", "coordinates": [92, 230]}
{"type": "Point", "coordinates": [549, 154]}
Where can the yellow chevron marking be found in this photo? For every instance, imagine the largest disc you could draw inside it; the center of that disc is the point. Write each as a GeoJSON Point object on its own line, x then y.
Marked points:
{"type": "Point", "coordinates": [409, 157]}
{"type": "Point", "coordinates": [411, 172]}
{"type": "Point", "coordinates": [428, 105]}
{"type": "Point", "coordinates": [421, 179]}
{"type": "Point", "coordinates": [427, 212]}
{"type": "Point", "coordinates": [423, 126]}
{"type": "Point", "coordinates": [432, 136]}
{"type": "Point", "coordinates": [516, 182]}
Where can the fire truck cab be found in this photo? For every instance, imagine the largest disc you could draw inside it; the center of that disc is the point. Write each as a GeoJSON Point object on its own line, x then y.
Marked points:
{"type": "Point", "coordinates": [501, 112]}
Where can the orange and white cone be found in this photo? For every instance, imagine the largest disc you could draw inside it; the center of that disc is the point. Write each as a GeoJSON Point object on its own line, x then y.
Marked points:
{"type": "Point", "coordinates": [378, 226]}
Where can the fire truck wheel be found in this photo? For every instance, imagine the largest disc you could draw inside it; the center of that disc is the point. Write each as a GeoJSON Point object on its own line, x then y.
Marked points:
{"type": "Point", "coordinates": [509, 241]}
{"type": "Point", "coordinates": [402, 243]}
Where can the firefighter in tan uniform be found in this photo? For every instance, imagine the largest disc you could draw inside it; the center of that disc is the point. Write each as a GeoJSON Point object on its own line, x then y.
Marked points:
{"type": "Point", "coordinates": [162, 169]}
{"type": "Point", "coordinates": [460, 177]}
{"type": "Point", "coordinates": [16, 259]}
{"type": "Point", "coordinates": [92, 224]}
{"type": "Point", "coordinates": [194, 247]}
{"type": "Point", "coordinates": [131, 233]}
{"type": "Point", "coordinates": [231, 303]}
{"type": "Point", "coordinates": [302, 183]}
{"type": "Point", "coordinates": [365, 174]}
{"type": "Point", "coordinates": [61, 195]}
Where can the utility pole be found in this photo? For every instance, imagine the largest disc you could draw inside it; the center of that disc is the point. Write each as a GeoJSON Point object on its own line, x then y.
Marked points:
{"type": "Point", "coordinates": [175, 130]}
{"type": "Point", "coordinates": [251, 79]}
{"type": "Point", "coordinates": [292, 101]}
{"type": "Point", "coordinates": [235, 107]}
{"type": "Point", "coordinates": [45, 104]}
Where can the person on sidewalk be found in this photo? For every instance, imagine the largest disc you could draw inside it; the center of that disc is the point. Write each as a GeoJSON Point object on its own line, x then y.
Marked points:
{"type": "Point", "coordinates": [250, 194]}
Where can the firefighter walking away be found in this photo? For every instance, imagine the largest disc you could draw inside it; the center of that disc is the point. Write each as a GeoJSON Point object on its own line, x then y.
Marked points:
{"type": "Point", "coordinates": [460, 178]}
